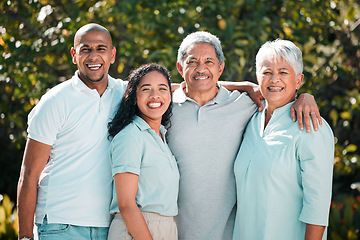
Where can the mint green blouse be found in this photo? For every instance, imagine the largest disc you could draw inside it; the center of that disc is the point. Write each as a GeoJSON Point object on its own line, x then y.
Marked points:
{"type": "Point", "coordinates": [138, 149]}
{"type": "Point", "coordinates": [283, 177]}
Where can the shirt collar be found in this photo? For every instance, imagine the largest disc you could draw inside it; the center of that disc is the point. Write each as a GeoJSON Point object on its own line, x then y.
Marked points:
{"type": "Point", "coordinates": [179, 95]}
{"type": "Point", "coordinates": [143, 126]}
{"type": "Point", "coordinates": [281, 110]}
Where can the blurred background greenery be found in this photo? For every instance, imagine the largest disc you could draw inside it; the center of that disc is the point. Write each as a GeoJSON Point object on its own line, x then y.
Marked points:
{"type": "Point", "coordinates": [36, 37]}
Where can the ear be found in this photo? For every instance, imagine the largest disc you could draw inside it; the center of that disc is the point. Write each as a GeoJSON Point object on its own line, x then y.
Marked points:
{"type": "Point", "coordinates": [221, 68]}
{"type": "Point", "coordinates": [73, 53]}
{"type": "Point", "coordinates": [113, 52]}
{"type": "Point", "coordinates": [180, 69]}
{"type": "Point", "coordinates": [299, 80]}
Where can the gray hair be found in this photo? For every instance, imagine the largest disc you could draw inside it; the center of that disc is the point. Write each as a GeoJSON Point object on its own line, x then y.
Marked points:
{"type": "Point", "coordinates": [280, 49]}
{"type": "Point", "coordinates": [200, 37]}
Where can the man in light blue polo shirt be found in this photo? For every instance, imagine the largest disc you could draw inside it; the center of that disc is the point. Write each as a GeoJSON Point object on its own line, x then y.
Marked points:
{"type": "Point", "coordinates": [205, 134]}
{"type": "Point", "coordinates": [65, 179]}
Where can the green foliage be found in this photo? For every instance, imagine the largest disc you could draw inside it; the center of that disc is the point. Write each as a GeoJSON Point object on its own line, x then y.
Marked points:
{"type": "Point", "coordinates": [8, 219]}
{"type": "Point", "coordinates": [345, 219]}
{"type": "Point", "coordinates": [36, 37]}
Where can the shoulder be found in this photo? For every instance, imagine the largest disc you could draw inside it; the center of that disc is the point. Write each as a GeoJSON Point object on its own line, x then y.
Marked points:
{"type": "Point", "coordinates": [129, 133]}
{"type": "Point", "coordinates": [127, 140]}
{"type": "Point", "coordinates": [322, 137]}
{"type": "Point", "coordinates": [55, 97]}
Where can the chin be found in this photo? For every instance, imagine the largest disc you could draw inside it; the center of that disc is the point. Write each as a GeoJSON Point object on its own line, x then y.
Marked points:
{"type": "Point", "coordinates": [95, 80]}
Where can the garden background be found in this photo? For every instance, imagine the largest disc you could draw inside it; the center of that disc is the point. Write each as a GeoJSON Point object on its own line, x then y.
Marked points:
{"type": "Point", "coordinates": [36, 37]}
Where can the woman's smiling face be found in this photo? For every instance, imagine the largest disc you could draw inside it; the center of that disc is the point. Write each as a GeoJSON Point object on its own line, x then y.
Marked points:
{"type": "Point", "coordinates": [153, 96]}
{"type": "Point", "coordinates": [278, 82]}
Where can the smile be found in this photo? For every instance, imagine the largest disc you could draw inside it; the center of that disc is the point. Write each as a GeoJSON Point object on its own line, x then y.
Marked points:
{"type": "Point", "coordinates": [154, 105]}
{"type": "Point", "coordinates": [94, 67]}
{"type": "Point", "coordinates": [275, 89]}
{"type": "Point", "coordinates": [202, 77]}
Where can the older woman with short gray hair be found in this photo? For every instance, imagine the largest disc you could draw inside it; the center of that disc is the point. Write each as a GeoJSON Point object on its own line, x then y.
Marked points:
{"type": "Point", "coordinates": [283, 174]}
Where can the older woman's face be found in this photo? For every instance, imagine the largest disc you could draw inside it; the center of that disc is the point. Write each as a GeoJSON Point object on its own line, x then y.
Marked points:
{"type": "Point", "coordinates": [278, 82]}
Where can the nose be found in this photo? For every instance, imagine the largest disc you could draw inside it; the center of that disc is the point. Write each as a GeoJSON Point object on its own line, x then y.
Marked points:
{"type": "Point", "coordinates": [93, 54]}
{"type": "Point", "coordinates": [200, 67]}
{"type": "Point", "coordinates": [275, 78]}
{"type": "Point", "coordinates": [154, 93]}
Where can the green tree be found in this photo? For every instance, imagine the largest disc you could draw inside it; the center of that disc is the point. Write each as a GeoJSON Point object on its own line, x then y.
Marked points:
{"type": "Point", "coordinates": [36, 37]}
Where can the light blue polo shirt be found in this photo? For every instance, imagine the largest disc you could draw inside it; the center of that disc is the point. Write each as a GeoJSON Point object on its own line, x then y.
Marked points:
{"type": "Point", "coordinates": [283, 178]}
{"type": "Point", "coordinates": [139, 149]}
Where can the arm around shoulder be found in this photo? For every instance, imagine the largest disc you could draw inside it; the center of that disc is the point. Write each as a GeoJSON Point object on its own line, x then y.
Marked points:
{"type": "Point", "coordinates": [251, 88]}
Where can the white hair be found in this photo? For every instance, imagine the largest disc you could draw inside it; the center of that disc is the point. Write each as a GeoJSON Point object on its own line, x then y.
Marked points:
{"type": "Point", "coordinates": [280, 49]}
{"type": "Point", "coordinates": [200, 37]}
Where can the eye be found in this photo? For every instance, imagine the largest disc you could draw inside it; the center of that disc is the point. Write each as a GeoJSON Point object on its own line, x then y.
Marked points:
{"type": "Point", "coordinates": [192, 62]}
{"type": "Point", "coordinates": [283, 73]}
{"type": "Point", "coordinates": [267, 73]}
{"type": "Point", "coordinates": [85, 50]}
{"type": "Point", "coordinates": [163, 89]}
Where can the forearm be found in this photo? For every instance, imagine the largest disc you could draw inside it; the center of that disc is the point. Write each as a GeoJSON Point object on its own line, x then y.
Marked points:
{"type": "Point", "coordinates": [243, 86]}
{"type": "Point", "coordinates": [314, 232]}
{"type": "Point", "coordinates": [35, 158]}
{"type": "Point", "coordinates": [26, 199]}
{"type": "Point", "coordinates": [135, 222]}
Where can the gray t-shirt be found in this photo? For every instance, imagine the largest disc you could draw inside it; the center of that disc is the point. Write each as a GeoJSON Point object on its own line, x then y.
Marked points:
{"type": "Point", "coordinates": [205, 141]}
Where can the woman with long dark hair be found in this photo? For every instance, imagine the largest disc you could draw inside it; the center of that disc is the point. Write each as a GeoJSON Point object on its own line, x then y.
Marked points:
{"type": "Point", "coordinates": [145, 172]}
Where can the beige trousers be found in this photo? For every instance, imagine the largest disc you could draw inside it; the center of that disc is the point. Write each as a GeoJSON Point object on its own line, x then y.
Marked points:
{"type": "Point", "coordinates": [160, 227]}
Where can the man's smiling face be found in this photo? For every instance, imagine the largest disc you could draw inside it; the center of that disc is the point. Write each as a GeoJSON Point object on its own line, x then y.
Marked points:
{"type": "Point", "coordinates": [201, 69]}
{"type": "Point", "coordinates": [93, 53]}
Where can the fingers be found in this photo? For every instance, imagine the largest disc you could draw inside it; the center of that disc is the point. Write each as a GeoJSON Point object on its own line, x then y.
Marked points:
{"type": "Point", "coordinates": [307, 122]}
{"type": "Point", "coordinates": [299, 118]}
{"type": "Point", "coordinates": [314, 120]}
{"type": "Point", "coordinates": [257, 97]}
{"type": "Point", "coordinates": [292, 113]}
{"type": "Point", "coordinates": [260, 106]}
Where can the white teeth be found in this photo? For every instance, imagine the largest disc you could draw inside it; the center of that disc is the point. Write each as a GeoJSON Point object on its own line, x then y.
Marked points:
{"type": "Point", "coordinates": [154, 105]}
{"type": "Point", "coordinates": [276, 88]}
{"type": "Point", "coordinates": [201, 78]}
{"type": "Point", "coordinates": [94, 66]}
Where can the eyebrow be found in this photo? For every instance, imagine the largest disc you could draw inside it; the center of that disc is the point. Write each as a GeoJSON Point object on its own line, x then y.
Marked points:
{"type": "Point", "coordinates": [208, 58]}
{"type": "Point", "coordinates": [87, 45]}
{"type": "Point", "coordinates": [147, 84]}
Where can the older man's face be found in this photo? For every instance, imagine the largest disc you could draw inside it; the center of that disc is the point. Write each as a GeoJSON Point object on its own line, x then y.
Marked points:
{"type": "Point", "coordinates": [200, 68]}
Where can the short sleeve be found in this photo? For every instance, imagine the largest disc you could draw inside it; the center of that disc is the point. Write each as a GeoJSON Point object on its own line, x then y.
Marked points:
{"type": "Point", "coordinates": [45, 119]}
{"type": "Point", "coordinates": [125, 151]}
{"type": "Point", "coordinates": [315, 152]}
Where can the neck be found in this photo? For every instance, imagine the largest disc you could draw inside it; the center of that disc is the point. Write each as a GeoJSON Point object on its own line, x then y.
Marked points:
{"type": "Point", "coordinates": [154, 125]}
{"type": "Point", "coordinates": [100, 86]}
{"type": "Point", "coordinates": [201, 97]}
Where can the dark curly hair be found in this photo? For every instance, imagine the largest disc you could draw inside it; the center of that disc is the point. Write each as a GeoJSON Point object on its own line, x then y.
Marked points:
{"type": "Point", "coordinates": [128, 107]}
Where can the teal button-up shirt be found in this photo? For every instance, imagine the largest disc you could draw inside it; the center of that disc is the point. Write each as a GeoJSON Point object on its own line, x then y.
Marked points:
{"type": "Point", "coordinates": [283, 178]}
{"type": "Point", "coordinates": [138, 149]}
